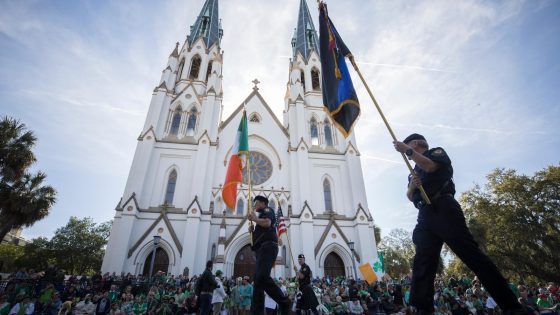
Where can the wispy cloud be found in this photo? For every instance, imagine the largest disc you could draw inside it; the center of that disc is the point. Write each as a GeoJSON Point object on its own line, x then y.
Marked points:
{"type": "Point", "coordinates": [82, 78]}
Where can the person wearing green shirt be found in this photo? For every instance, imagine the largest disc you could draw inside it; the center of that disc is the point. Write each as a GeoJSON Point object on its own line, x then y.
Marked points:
{"type": "Point", "coordinates": [245, 296]}
{"type": "Point", "coordinates": [140, 306]}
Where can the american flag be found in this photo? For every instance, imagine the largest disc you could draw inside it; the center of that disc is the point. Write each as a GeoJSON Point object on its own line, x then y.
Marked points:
{"type": "Point", "coordinates": [281, 225]}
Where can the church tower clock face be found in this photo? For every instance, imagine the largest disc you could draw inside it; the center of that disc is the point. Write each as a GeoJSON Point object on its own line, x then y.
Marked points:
{"type": "Point", "coordinates": [261, 168]}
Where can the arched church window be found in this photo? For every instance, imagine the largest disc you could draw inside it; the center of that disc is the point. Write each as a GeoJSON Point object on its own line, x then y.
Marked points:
{"type": "Point", "coordinates": [302, 79]}
{"type": "Point", "coordinates": [208, 71]}
{"type": "Point", "coordinates": [170, 190]}
{"type": "Point", "coordinates": [195, 67]}
{"type": "Point", "coordinates": [240, 206]}
{"type": "Point", "coordinates": [314, 131]}
{"type": "Point", "coordinates": [272, 204]}
{"type": "Point", "coordinates": [327, 195]}
{"type": "Point", "coordinates": [213, 253]}
{"type": "Point", "coordinates": [328, 133]}
{"type": "Point", "coordinates": [191, 123]}
{"type": "Point", "coordinates": [175, 121]}
{"type": "Point", "coordinates": [315, 79]}
{"type": "Point", "coordinates": [180, 70]}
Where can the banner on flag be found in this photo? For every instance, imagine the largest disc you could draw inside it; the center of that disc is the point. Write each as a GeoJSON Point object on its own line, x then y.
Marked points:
{"type": "Point", "coordinates": [339, 96]}
{"type": "Point", "coordinates": [373, 270]}
{"type": "Point", "coordinates": [239, 155]}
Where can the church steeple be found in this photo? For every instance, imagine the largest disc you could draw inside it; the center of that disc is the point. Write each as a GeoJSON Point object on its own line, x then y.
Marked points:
{"type": "Point", "coordinates": [207, 25]}
{"type": "Point", "coordinates": [305, 38]}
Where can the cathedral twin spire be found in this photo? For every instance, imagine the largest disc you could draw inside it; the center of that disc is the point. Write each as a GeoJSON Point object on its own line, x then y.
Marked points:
{"type": "Point", "coordinates": [305, 37]}
{"type": "Point", "coordinates": [207, 25]}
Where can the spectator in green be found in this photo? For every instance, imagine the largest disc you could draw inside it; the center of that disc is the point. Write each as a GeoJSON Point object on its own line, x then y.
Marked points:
{"type": "Point", "coordinates": [245, 296]}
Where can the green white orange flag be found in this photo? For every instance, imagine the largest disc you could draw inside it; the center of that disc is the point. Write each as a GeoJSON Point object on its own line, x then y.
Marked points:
{"type": "Point", "coordinates": [239, 154]}
{"type": "Point", "coordinates": [374, 270]}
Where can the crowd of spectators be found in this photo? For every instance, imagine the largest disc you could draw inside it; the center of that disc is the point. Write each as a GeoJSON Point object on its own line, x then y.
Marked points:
{"type": "Point", "coordinates": [52, 293]}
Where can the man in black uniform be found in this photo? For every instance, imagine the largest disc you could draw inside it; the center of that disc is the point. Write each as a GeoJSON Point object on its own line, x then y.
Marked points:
{"type": "Point", "coordinates": [204, 288]}
{"type": "Point", "coordinates": [443, 221]}
{"type": "Point", "coordinates": [308, 299]}
{"type": "Point", "coordinates": [265, 245]}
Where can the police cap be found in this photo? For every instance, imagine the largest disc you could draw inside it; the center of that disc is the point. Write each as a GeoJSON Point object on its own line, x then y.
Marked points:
{"type": "Point", "coordinates": [301, 256]}
{"type": "Point", "coordinates": [261, 198]}
{"type": "Point", "coordinates": [414, 136]}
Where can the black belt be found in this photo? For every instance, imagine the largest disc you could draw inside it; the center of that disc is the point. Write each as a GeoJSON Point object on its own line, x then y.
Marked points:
{"type": "Point", "coordinates": [421, 203]}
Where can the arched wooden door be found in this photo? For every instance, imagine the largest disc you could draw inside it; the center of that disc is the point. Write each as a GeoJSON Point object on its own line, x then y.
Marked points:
{"type": "Point", "coordinates": [334, 267]}
{"type": "Point", "coordinates": [161, 263]}
{"type": "Point", "coordinates": [245, 263]}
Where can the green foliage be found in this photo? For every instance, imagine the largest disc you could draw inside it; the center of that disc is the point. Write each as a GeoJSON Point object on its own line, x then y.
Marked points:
{"type": "Point", "coordinates": [9, 254]}
{"type": "Point", "coordinates": [24, 199]}
{"type": "Point", "coordinates": [399, 252]}
{"type": "Point", "coordinates": [78, 246]}
{"type": "Point", "coordinates": [516, 220]}
{"type": "Point", "coordinates": [377, 233]}
{"type": "Point", "coordinates": [36, 254]}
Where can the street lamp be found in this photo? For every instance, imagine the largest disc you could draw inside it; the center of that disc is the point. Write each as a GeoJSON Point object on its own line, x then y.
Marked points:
{"type": "Point", "coordinates": [351, 246]}
{"type": "Point", "coordinates": [157, 238]}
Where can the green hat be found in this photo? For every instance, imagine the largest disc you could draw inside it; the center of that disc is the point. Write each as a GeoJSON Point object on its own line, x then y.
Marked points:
{"type": "Point", "coordinates": [219, 273]}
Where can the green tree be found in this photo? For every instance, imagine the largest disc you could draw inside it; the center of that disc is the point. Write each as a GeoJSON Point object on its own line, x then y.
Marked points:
{"type": "Point", "coordinates": [516, 220]}
{"type": "Point", "coordinates": [399, 252]}
{"type": "Point", "coordinates": [9, 254]}
{"type": "Point", "coordinates": [377, 233]}
{"type": "Point", "coordinates": [24, 199]}
{"type": "Point", "coordinates": [36, 254]}
{"type": "Point", "coordinates": [78, 246]}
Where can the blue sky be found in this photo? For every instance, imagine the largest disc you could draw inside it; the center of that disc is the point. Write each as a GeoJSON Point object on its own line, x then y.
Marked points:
{"type": "Point", "coordinates": [479, 78]}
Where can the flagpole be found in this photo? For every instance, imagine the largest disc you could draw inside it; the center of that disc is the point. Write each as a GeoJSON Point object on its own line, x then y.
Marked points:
{"type": "Point", "coordinates": [250, 206]}
{"type": "Point", "coordinates": [422, 191]}
{"type": "Point", "coordinates": [289, 242]}
{"type": "Point", "coordinates": [421, 188]}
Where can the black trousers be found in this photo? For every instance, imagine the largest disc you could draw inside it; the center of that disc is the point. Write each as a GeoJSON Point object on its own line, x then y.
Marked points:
{"type": "Point", "coordinates": [266, 255]}
{"type": "Point", "coordinates": [444, 222]}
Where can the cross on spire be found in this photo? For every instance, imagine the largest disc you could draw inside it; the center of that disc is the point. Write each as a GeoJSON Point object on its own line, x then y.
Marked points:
{"type": "Point", "coordinates": [256, 88]}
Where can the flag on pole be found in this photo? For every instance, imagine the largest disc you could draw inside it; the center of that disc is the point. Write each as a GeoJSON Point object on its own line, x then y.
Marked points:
{"type": "Point", "coordinates": [374, 270]}
{"type": "Point", "coordinates": [280, 223]}
{"type": "Point", "coordinates": [339, 96]}
{"type": "Point", "coordinates": [239, 154]}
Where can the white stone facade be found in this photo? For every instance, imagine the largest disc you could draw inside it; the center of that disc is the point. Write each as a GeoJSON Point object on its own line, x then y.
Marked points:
{"type": "Point", "coordinates": [185, 141]}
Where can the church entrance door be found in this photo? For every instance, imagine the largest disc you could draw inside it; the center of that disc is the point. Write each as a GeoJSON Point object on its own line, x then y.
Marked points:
{"type": "Point", "coordinates": [245, 263]}
{"type": "Point", "coordinates": [161, 262]}
{"type": "Point", "coordinates": [334, 267]}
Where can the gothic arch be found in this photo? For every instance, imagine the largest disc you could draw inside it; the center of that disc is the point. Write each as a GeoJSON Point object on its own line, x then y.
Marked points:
{"type": "Point", "coordinates": [328, 132]}
{"type": "Point", "coordinates": [231, 251]}
{"type": "Point", "coordinates": [194, 70]}
{"type": "Point", "coordinates": [180, 70]}
{"type": "Point", "coordinates": [263, 140]}
{"type": "Point", "coordinates": [315, 79]}
{"type": "Point", "coordinates": [147, 248]}
{"type": "Point", "coordinates": [328, 179]}
{"type": "Point", "coordinates": [168, 172]}
{"type": "Point", "coordinates": [338, 249]}
{"type": "Point", "coordinates": [314, 130]}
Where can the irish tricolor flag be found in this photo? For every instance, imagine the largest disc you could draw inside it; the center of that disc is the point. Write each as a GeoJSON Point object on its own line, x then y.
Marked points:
{"type": "Point", "coordinates": [373, 270]}
{"type": "Point", "coordinates": [234, 173]}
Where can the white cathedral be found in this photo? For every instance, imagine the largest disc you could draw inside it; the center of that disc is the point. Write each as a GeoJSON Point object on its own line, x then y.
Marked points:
{"type": "Point", "coordinates": [172, 205]}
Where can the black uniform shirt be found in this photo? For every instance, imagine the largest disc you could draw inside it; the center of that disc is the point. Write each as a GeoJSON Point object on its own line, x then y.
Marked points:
{"type": "Point", "coordinates": [262, 234]}
{"type": "Point", "coordinates": [438, 181]}
{"type": "Point", "coordinates": [306, 271]}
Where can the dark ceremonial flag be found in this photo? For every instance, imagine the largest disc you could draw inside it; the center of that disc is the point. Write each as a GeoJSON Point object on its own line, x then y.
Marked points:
{"type": "Point", "coordinates": [339, 96]}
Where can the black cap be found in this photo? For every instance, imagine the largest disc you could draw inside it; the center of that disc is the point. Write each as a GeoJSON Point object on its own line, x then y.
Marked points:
{"type": "Point", "coordinates": [414, 136]}
{"type": "Point", "coordinates": [301, 256]}
{"type": "Point", "coordinates": [261, 198]}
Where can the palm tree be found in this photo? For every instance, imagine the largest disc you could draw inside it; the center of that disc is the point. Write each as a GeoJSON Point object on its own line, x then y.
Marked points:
{"type": "Point", "coordinates": [23, 197]}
